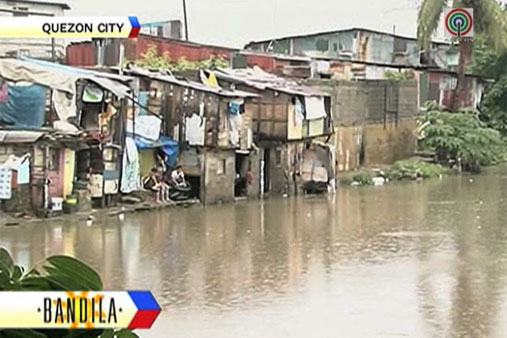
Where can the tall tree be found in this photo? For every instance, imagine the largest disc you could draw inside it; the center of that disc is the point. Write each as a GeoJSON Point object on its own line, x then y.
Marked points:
{"type": "Point", "coordinates": [489, 20]}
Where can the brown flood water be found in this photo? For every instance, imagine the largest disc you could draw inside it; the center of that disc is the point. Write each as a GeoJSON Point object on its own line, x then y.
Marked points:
{"type": "Point", "coordinates": [403, 260]}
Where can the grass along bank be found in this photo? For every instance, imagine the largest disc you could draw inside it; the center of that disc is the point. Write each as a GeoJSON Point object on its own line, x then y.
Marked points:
{"type": "Point", "coordinates": [411, 169]}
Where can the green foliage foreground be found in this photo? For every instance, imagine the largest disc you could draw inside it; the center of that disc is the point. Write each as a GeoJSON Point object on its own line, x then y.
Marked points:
{"type": "Point", "coordinates": [460, 138]}
{"type": "Point", "coordinates": [56, 273]}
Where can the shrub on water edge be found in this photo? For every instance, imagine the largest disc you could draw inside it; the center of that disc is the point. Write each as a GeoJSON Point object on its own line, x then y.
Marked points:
{"type": "Point", "coordinates": [460, 138]}
{"type": "Point", "coordinates": [363, 177]}
{"type": "Point", "coordinates": [413, 169]}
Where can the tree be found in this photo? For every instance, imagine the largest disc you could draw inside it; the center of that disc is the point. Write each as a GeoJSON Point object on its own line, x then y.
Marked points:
{"type": "Point", "coordinates": [492, 64]}
{"type": "Point", "coordinates": [489, 20]}
{"type": "Point", "coordinates": [460, 137]}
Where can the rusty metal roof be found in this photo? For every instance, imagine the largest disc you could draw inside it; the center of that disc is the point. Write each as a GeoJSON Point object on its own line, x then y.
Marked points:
{"type": "Point", "coordinates": [165, 77]}
{"type": "Point", "coordinates": [257, 78]}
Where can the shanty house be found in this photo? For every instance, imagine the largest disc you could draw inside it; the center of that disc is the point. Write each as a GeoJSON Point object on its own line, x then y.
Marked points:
{"type": "Point", "coordinates": [74, 127]}
{"type": "Point", "coordinates": [212, 127]}
{"type": "Point", "coordinates": [287, 119]}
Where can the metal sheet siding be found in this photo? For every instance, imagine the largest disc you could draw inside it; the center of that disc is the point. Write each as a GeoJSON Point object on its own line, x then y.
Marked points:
{"type": "Point", "coordinates": [180, 49]}
{"type": "Point", "coordinates": [82, 54]}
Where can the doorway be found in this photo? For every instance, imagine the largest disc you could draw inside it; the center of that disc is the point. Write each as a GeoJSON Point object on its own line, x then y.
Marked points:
{"type": "Point", "coordinates": [266, 169]}
{"type": "Point", "coordinates": [241, 178]}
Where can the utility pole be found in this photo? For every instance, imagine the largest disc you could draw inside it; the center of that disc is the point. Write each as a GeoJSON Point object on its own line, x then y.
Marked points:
{"type": "Point", "coordinates": [185, 18]}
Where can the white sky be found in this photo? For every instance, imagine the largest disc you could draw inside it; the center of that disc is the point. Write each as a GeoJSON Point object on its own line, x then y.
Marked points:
{"type": "Point", "coordinates": [236, 22]}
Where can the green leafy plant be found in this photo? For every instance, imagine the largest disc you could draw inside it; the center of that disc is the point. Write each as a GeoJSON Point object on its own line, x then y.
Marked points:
{"type": "Point", "coordinates": [414, 169]}
{"type": "Point", "coordinates": [363, 178]}
{"type": "Point", "coordinates": [56, 273]}
{"type": "Point", "coordinates": [460, 138]}
{"type": "Point", "coordinates": [394, 76]}
{"type": "Point", "coordinates": [152, 60]}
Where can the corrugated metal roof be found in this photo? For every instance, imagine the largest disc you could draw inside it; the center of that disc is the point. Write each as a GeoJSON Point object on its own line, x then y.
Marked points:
{"type": "Point", "coordinates": [59, 77]}
{"type": "Point", "coordinates": [62, 4]}
{"type": "Point", "coordinates": [19, 136]}
{"type": "Point", "coordinates": [340, 31]}
{"type": "Point", "coordinates": [188, 84]}
{"type": "Point", "coordinates": [259, 79]}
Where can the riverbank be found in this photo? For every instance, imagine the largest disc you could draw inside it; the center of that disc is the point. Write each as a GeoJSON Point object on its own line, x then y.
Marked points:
{"type": "Point", "coordinates": [91, 215]}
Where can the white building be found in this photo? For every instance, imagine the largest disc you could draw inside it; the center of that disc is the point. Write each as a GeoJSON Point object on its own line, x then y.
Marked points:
{"type": "Point", "coordinates": [41, 48]}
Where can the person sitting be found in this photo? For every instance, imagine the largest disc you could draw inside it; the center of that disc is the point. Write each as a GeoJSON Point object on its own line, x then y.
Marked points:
{"type": "Point", "coordinates": [154, 183]}
{"type": "Point", "coordinates": [178, 177]}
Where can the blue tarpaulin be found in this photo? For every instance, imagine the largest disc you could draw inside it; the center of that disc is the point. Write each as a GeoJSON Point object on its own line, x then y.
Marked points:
{"type": "Point", "coordinates": [167, 144]}
{"type": "Point", "coordinates": [25, 106]}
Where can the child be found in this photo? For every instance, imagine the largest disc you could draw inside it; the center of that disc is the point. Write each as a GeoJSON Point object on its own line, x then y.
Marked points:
{"type": "Point", "coordinates": [155, 183]}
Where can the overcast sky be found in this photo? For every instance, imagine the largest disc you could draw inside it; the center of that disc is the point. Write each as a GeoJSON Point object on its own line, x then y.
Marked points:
{"type": "Point", "coordinates": [236, 22]}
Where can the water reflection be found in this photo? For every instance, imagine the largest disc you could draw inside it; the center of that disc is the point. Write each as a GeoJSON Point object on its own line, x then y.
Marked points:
{"type": "Point", "coordinates": [409, 260]}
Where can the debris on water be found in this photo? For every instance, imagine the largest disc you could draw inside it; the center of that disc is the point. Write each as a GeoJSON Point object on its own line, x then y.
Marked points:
{"type": "Point", "coordinates": [12, 223]}
{"type": "Point", "coordinates": [90, 220]}
{"type": "Point", "coordinates": [471, 180]}
{"type": "Point", "coordinates": [415, 234]}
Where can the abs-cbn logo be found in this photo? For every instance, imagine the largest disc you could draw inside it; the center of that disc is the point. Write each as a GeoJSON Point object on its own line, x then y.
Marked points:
{"type": "Point", "coordinates": [459, 23]}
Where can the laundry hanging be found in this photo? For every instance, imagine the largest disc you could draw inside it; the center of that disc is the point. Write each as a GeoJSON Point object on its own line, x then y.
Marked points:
{"type": "Point", "coordinates": [299, 111]}
{"type": "Point", "coordinates": [235, 106]}
{"type": "Point", "coordinates": [315, 108]}
{"type": "Point", "coordinates": [194, 130]}
{"type": "Point", "coordinates": [130, 167]}
{"type": "Point", "coordinates": [5, 182]}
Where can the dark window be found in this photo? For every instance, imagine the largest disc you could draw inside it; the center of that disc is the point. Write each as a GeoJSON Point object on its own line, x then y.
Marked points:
{"type": "Point", "coordinates": [322, 45]}
{"type": "Point", "coordinates": [400, 45]}
{"type": "Point", "coordinates": [20, 11]}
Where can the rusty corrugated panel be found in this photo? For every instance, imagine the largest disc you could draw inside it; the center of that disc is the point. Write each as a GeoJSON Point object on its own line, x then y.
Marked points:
{"type": "Point", "coordinates": [81, 54]}
{"type": "Point", "coordinates": [266, 62]}
{"type": "Point", "coordinates": [180, 49]}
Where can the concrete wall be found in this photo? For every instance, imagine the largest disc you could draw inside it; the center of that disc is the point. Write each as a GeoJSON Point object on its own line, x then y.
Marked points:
{"type": "Point", "coordinates": [386, 144]}
{"type": "Point", "coordinates": [219, 176]}
{"type": "Point", "coordinates": [374, 121]}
